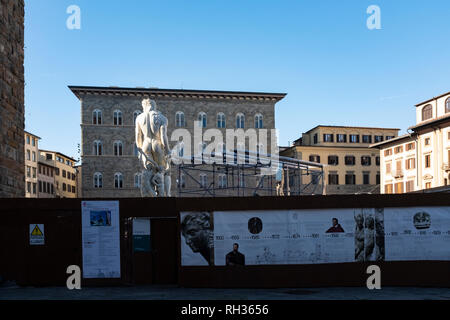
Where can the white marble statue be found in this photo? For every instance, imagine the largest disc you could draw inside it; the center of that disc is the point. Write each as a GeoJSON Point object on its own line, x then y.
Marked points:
{"type": "Point", "coordinates": [154, 151]}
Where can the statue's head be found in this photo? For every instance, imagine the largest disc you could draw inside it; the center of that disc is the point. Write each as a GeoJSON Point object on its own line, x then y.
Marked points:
{"type": "Point", "coordinates": [148, 105]}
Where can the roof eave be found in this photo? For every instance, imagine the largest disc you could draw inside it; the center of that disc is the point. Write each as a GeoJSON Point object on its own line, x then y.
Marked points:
{"type": "Point", "coordinates": [432, 99]}
{"type": "Point", "coordinates": [77, 90]}
{"type": "Point", "coordinates": [430, 123]}
{"type": "Point", "coordinates": [396, 139]}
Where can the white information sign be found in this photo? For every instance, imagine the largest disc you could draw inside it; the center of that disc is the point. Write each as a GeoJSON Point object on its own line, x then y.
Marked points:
{"type": "Point", "coordinates": [101, 239]}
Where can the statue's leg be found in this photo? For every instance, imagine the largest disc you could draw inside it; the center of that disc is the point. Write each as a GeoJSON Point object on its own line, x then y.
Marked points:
{"type": "Point", "coordinates": [158, 154]}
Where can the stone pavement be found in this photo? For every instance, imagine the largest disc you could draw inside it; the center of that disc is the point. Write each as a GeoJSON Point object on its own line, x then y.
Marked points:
{"type": "Point", "coordinates": [12, 292]}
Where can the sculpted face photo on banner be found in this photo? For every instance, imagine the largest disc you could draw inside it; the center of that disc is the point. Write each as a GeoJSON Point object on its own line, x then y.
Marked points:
{"type": "Point", "coordinates": [197, 231]}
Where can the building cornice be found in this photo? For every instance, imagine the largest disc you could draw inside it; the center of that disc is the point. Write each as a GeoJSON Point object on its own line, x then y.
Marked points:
{"type": "Point", "coordinates": [81, 91]}
{"type": "Point", "coordinates": [329, 147]}
{"type": "Point", "coordinates": [392, 141]}
{"type": "Point", "coordinates": [109, 156]}
{"type": "Point", "coordinates": [432, 99]}
{"type": "Point", "coordinates": [349, 127]}
{"type": "Point", "coordinates": [431, 123]}
{"type": "Point", "coordinates": [59, 153]}
{"type": "Point", "coordinates": [48, 164]}
{"type": "Point", "coordinates": [33, 135]}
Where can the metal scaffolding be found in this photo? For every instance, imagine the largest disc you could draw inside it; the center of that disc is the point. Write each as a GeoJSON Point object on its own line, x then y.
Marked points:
{"type": "Point", "coordinates": [245, 173]}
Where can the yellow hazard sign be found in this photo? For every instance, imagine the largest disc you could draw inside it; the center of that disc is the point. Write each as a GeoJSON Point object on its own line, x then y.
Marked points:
{"type": "Point", "coordinates": [36, 231]}
{"type": "Point", "coordinates": [37, 234]}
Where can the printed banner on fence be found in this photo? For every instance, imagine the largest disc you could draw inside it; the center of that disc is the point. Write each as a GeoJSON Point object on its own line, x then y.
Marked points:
{"type": "Point", "coordinates": [197, 242]}
{"type": "Point", "coordinates": [315, 236]}
{"type": "Point", "coordinates": [418, 233]}
{"type": "Point", "coordinates": [284, 237]}
{"type": "Point", "coordinates": [101, 239]}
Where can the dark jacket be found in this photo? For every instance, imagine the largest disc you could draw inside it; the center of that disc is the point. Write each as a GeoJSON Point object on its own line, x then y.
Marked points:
{"type": "Point", "coordinates": [235, 258]}
{"type": "Point", "coordinates": [337, 228]}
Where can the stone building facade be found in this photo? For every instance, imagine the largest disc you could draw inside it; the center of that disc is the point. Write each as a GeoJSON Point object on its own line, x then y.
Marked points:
{"type": "Point", "coordinates": [351, 167]}
{"type": "Point", "coordinates": [110, 166]}
{"type": "Point", "coordinates": [12, 178]}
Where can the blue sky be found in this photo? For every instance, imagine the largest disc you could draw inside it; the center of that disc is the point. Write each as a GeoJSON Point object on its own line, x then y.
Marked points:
{"type": "Point", "coordinates": [335, 70]}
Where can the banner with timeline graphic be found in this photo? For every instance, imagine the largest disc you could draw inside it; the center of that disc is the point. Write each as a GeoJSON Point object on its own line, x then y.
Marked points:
{"type": "Point", "coordinates": [285, 237]}
{"type": "Point", "coordinates": [418, 233]}
{"type": "Point", "coordinates": [315, 236]}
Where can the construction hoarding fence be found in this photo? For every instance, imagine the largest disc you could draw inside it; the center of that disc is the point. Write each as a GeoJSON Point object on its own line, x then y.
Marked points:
{"type": "Point", "coordinates": [307, 241]}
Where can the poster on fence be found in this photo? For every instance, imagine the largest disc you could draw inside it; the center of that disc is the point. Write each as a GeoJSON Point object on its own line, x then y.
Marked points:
{"type": "Point", "coordinates": [101, 239]}
{"type": "Point", "coordinates": [421, 233]}
{"type": "Point", "coordinates": [285, 237]}
{"type": "Point", "coordinates": [141, 235]}
{"type": "Point", "coordinates": [313, 236]}
{"type": "Point", "coordinates": [197, 238]}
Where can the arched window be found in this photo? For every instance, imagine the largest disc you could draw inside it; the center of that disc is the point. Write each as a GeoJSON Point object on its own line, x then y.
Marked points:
{"type": "Point", "coordinates": [427, 112]}
{"type": "Point", "coordinates": [202, 119]}
{"type": "Point", "coordinates": [118, 180]}
{"type": "Point", "coordinates": [258, 121]}
{"type": "Point", "coordinates": [447, 105]}
{"type": "Point", "coordinates": [98, 180]}
{"type": "Point", "coordinates": [135, 115]}
{"type": "Point", "coordinates": [98, 148]}
{"type": "Point", "coordinates": [118, 148]}
{"type": "Point", "coordinates": [96, 117]}
{"type": "Point", "coordinates": [179, 119]}
{"type": "Point", "coordinates": [240, 121]}
{"type": "Point", "coordinates": [137, 180]}
{"type": "Point", "coordinates": [221, 120]}
{"type": "Point", "coordinates": [117, 118]}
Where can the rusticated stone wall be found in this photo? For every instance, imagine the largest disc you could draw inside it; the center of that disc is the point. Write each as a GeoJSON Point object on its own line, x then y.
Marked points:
{"type": "Point", "coordinates": [12, 82]}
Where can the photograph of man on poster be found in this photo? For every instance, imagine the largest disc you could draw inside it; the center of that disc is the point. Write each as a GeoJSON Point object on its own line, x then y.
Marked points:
{"type": "Point", "coordinates": [197, 231]}
{"type": "Point", "coordinates": [336, 227]}
{"type": "Point", "coordinates": [235, 258]}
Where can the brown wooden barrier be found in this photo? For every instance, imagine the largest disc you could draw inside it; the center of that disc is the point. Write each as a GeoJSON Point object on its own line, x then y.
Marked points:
{"type": "Point", "coordinates": [46, 265]}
